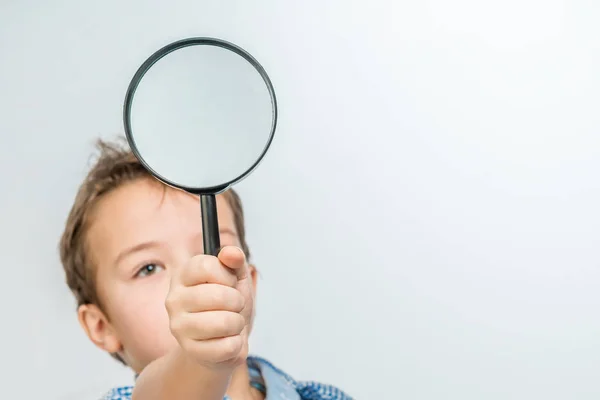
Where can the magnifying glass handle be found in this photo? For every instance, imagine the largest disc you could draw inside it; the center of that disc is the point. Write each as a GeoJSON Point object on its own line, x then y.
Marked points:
{"type": "Point", "coordinates": [210, 224]}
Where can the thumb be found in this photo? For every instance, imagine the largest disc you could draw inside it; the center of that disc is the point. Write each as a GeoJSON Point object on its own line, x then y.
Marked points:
{"type": "Point", "coordinates": [234, 258]}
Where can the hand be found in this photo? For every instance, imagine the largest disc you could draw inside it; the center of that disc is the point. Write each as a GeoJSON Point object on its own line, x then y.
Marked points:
{"type": "Point", "coordinates": [210, 304]}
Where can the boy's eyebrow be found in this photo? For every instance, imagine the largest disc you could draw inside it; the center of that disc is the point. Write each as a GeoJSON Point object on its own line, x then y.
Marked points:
{"type": "Point", "coordinates": [136, 248]}
{"type": "Point", "coordinates": [153, 243]}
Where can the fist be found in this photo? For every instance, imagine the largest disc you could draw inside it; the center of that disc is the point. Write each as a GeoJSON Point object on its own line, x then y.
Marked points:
{"type": "Point", "coordinates": [210, 305]}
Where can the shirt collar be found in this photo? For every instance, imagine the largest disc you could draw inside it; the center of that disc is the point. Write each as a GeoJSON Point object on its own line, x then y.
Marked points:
{"type": "Point", "coordinates": [279, 385]}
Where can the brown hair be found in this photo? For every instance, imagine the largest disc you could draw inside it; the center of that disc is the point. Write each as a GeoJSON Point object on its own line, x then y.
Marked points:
{"type": "Point", "coordinates": [114, 166]}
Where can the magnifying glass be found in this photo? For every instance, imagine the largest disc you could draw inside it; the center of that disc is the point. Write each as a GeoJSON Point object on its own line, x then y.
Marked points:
{"type": "Point", "coordinates": [200, 114]}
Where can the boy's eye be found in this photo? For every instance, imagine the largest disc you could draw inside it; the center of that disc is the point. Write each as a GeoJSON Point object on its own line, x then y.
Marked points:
{"type": "Point", "coordinates": [149, 269]}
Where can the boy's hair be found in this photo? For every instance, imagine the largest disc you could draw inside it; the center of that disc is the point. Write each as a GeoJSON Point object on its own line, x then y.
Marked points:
{"type": "Point", "coordinates": [114, 166]}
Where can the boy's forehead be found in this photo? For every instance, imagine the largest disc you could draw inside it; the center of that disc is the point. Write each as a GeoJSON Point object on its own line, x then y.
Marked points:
{"type": "Point", "coordinates": [148, 210]}
{"type": "Point", "coordinates": [148, 195]}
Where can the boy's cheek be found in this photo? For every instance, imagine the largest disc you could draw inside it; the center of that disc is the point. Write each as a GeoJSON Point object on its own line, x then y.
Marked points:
{"type": "Point", "coordinates": [145, 331]}
{"type": "Point", "coordinates": [140, 307]}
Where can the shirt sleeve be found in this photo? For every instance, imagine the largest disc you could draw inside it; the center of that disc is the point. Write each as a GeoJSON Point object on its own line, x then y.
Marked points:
{"type": "Point", "coordinates": [320, 391]}
{"type": "Point", "coordinates": [119, 393]}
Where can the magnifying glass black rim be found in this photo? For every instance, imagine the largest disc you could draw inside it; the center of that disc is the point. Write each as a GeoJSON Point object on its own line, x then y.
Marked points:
{"type": "Point", "coordinates": [159, 55]}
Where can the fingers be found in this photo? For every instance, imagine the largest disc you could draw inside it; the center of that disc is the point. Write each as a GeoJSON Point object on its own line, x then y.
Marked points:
{"type": "Point", "coordinates": [227, 269]}
{"type": "Point", "coordinates": [208, 303]}
{"type": "Point", "coordinates": [208, 325]}
{"type": "Point", "coordinates": [206, 269]}
{"type": "Point", "coordinates": [208, 297]}
{"type": "Point", "coordinates": [235, 259]}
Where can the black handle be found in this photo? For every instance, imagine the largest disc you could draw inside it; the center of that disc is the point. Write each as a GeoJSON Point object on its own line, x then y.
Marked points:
{"type": "Point", "coordinates": [210, 224]}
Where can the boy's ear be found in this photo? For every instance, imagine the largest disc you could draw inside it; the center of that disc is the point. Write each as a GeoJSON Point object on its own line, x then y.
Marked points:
{"type": "Point", "coordinates": [97, 327]}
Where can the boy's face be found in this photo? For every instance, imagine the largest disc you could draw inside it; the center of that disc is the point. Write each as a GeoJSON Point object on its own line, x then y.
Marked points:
{"type": "Point", "coordinates": [139, 234]}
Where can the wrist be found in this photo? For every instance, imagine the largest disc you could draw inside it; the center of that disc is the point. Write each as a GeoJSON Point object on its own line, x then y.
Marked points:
{"type": "Point", "coordinates": [177, 375]}
{"type": "Point", "coordinates": [186, 362]}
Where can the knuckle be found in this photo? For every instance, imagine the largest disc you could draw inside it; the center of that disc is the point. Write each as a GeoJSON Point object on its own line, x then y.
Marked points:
{"type": "Point", "coordinates": [240, 301]}
{"type": "Point", "coordinates": [176, 326]}
{"type": "Point", "coordinates": [195, 267]}
{"type": "Point", "coordinates": [238, 323]}
{"type": "Point", "coordinates": [197, 261]}
{"type": "Point", "coordinates": [190, 348]}
{"type": "Point", "coordinates": [170, 303]}
{"type": "Point", "coordinates": [231, 346]}
{"type": "Point", "coordinates": [173, 300]}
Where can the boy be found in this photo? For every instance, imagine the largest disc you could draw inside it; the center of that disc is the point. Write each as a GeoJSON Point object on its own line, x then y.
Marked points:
{"type": "Point", "coordinates": [132, 254]}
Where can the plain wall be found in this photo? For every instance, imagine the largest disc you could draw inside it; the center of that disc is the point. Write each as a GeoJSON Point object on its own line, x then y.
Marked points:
{"type": "Point", "coordinates": [426, 222]}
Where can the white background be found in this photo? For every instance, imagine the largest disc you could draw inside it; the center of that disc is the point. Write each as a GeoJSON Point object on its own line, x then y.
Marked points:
{"type": "Point", "coordinates": [427, 220]}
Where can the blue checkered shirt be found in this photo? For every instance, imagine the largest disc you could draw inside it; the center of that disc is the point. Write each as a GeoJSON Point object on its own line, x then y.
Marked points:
{"type": "Point", "coordinates": [279, 386]}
